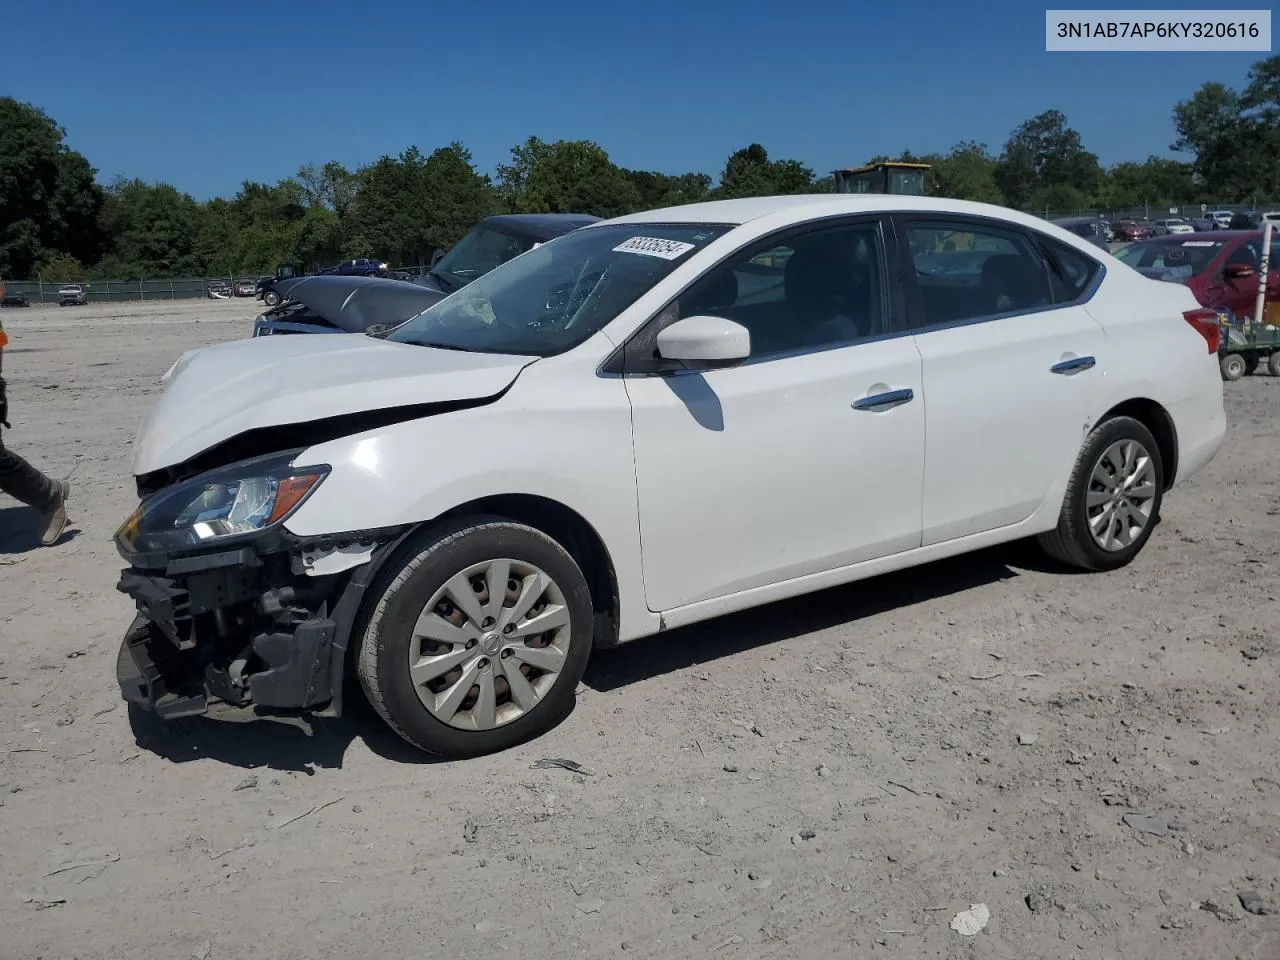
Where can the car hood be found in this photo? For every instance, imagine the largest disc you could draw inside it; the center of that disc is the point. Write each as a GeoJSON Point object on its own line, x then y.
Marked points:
{"type": "Point", "coordinates": [215, 393]}
{"type": "Point", "coordinates": [354, 304]}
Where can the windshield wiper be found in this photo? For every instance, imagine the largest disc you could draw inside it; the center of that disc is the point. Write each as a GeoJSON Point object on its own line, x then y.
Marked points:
{"type": "Point", "coordinates": [436, 345]}
{"type": "Point", "coordinates": [444, 283]}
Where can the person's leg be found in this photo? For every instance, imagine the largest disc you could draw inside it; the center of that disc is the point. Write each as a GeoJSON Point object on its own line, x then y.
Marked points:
{"type": "Point", "coordinates": [24, 482]}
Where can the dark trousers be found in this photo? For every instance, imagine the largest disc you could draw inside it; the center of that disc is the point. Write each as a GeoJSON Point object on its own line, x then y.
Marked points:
{"type": "Point", "coordinates": [24, 482]}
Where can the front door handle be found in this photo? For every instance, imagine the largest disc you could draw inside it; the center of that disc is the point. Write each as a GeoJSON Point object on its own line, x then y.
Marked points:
{"type": "Point", "coordinates": [881, 401]}
{"type": "Point", "coordinates": [1073, 365]}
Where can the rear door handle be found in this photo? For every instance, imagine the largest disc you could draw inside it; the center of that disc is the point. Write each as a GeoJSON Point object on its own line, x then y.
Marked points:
{"type": "Point", "coordinates": [879, 401]}
{"type": "Point", "coordinates": [1073, 365]}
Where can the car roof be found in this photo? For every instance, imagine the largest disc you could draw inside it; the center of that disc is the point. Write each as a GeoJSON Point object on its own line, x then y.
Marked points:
{"type": "Point", "coordinates": [806, 206]}
{"type": "Point", "coordinates": [544, 226]}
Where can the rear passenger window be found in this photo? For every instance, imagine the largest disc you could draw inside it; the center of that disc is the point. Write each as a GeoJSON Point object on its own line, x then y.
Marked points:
{"type": "Point", "coordinates": [970, 272]}
{"type": "Point", "coordinates": [1070, 271]}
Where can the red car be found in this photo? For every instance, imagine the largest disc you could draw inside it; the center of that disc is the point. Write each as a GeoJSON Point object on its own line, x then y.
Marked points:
{"type": "Point", "coordinates": [1221, 267]}
{"type": "Point", "coordinates": [1128, 230]}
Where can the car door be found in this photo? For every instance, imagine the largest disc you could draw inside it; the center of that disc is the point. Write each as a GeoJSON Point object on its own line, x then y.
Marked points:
{"type": "Point", "coordinates": [1239, 294]}
{"type": "Point", "coordinates": [806, 457]}
{"type": "Point", "coordinates": [1012, 365]}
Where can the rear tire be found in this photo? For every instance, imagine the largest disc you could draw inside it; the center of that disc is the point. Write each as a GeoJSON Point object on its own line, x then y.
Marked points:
{"type": "Point", "coordinates": [1113, 498]}
{"type": "Point", "coordinates": [1233, 367]}
{"type": "Point", "coordinates": [1273, 364]}
{"type": "Point", "coordinates": [462, 679]}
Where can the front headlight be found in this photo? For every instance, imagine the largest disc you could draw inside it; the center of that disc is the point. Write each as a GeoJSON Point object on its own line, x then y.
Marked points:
{"type": "Point", "coordinates": [233, 501]}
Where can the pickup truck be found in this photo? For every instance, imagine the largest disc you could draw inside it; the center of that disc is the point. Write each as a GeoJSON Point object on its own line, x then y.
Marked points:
{"type": "Point", "coordinates": [71, 294]}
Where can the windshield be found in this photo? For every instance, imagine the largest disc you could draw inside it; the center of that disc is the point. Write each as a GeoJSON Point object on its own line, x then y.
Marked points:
{"type": "Point", "coordinates": [482, 248]}
{"type": "Point", "coordinates": [1175, 262]}
{"type": "Point", "coordinates": [556, 296]}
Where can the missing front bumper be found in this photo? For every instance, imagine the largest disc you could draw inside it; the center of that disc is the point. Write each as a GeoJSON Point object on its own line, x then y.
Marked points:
{"type": "Point", "coordinates": [222, 634]}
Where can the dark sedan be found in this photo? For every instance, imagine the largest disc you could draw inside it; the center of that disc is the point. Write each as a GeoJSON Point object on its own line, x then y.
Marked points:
{"type": "Point", "coordinates": [352, 304]}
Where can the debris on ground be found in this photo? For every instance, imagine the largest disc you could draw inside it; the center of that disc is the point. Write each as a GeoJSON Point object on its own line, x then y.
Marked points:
{"type": "Point", "coordinates": [470, 831]}
{"type": "Point", "coordinates": [1254, 903]}
{"type": "Point", "coordinates": [1158, 826]}
{"type": "Point", "coordinates": [590, 906]}
{"type": "Point", "coordinates": [967, 923]}
{"type": "Point", "coordinates": [40, 899]}
{"type": "Point", "coordinates": [87, 859]}
{"type": "Point", "coordinates": [306, 813]}
{"type": "Point", "coordinates": [248, 783]}
{"type": "Point", "coordinates": [1027, 739]}
{"type": "Point", "coordinates": [1219, 910]}
{"type": "Point", "coordinates": [730, 768]}
{"type": "Point", "coordinates": [550, 763]}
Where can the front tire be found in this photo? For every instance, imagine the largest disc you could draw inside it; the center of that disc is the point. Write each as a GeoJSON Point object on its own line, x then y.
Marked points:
{"type": "Point", "coordinates": [479, 640]}
{"type": "Point", "coordinates": [271, 298]}
{"type": "Point", "coordinates": [1113, 498]}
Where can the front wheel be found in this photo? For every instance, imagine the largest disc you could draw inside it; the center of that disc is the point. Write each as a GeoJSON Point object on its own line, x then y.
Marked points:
{"type": "Point", "coordinates": [271, 298]}
{"type": "Point", "coordinates": [478, 642]}
{"type": "Point", "coordinates": [1112, 499]}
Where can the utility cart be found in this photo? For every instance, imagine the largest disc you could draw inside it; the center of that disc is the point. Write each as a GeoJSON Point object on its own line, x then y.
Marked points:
{"type": "Point", "coordinates": [1245, 347]}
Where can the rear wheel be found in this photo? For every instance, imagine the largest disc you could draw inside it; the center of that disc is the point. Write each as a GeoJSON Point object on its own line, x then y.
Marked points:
{"type": "Point", "coordinates": [1273, 364]}
{"type": "Point", "coordinates": [479, 641]}
{"type": "Point", "coordinates": [1112, 499]}
{"type": "Point", "coordinates": [1232, 366]}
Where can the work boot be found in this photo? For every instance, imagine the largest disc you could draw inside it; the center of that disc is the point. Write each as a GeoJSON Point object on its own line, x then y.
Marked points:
{"type": "Point", "coordinates": [56, 516]}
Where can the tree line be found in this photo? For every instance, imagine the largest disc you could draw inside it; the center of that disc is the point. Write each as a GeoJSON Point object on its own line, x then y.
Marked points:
{"type": "Point", "coordinates": [59, 223]}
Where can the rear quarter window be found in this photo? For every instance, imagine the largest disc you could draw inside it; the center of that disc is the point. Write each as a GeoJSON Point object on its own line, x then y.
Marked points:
{"type": "Point", "coordinates": [1071, 272]}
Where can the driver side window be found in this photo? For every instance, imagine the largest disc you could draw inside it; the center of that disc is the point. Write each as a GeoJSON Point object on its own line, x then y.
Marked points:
{"type": "Point", "coordinates": [812, 291]}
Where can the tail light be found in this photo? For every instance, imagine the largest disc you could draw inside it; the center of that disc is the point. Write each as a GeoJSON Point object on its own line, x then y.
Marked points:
{"type": "Point", "coordinates": [1207, 324]}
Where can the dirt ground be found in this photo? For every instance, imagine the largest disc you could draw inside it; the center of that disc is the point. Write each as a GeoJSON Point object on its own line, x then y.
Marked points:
{"type": "Point", "coordinates": [1093, 758]}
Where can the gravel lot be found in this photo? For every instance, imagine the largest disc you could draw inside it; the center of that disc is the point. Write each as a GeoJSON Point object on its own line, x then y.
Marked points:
{"type": "Point", "coordinates": [834, 776]}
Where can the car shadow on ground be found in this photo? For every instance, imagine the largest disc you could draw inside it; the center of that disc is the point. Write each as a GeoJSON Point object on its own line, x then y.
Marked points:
{"type": "Point", "coordinates": [726, 636]}
{"type": "Point", "coordinates": [20, 530]}
{"type": "Point", "coordinates": [239, 738]}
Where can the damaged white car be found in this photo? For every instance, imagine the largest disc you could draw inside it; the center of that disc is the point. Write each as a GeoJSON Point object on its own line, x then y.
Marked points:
{"type": "Point", "coordinates": [645, 423]}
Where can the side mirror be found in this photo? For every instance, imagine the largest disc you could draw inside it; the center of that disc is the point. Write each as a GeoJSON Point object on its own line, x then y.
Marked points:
{"type": "Point", "coordinates": [437, 257]}
{"type": "Point", "coordinates": [705, 341]}
{"type": "Point", "coordinates": [1237, 271]}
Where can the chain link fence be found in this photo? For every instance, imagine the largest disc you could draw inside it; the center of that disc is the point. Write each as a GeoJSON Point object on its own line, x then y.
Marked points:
{"type": "Point", "coordinates": [190, 288]}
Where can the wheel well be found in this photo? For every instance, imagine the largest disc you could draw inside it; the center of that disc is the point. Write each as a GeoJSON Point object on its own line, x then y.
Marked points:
{"type": "Point", "coordinates": [1156, 419]}
{"type": "Point", "coordinates": [579, 538]}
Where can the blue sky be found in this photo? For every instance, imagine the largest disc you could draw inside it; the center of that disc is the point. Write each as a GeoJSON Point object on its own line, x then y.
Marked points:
{"type": "Point", "coordinates": [205, 96]}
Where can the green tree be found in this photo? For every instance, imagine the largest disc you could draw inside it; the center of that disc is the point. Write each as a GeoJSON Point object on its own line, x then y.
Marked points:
{"type": "Point", "coordinates": [659, 190]}
{"type": "Point", "coordinates": [153, 229]}
{"type": "Point", "coordinates": [1045, 165]}
{"type": "Point", "coordinates": [513, 178]}
{"type": "Point", "coordinates": [568, 176]}
{"type": "Point", "coordinates": [750, 173]}
{"type": "Point", "coordinates": [49, 202]}
{"type": "Point", "coordinates": [967, 172]}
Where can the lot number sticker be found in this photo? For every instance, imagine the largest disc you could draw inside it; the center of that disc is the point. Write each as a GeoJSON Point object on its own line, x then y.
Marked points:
{"type": "Point", "coordinates": [654, 247]}
{"type": "Point", "coordinates": [1199, 243]}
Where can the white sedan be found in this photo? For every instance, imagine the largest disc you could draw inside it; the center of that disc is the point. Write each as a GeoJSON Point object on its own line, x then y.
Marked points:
{"type": "Point", "coordinates": [649, 422]}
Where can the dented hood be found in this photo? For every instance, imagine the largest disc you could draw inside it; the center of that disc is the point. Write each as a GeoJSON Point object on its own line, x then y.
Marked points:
{"type": "Point", "coordinates": [219, 392]}
{"type": "Point", "coordinates": [355, 304]}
